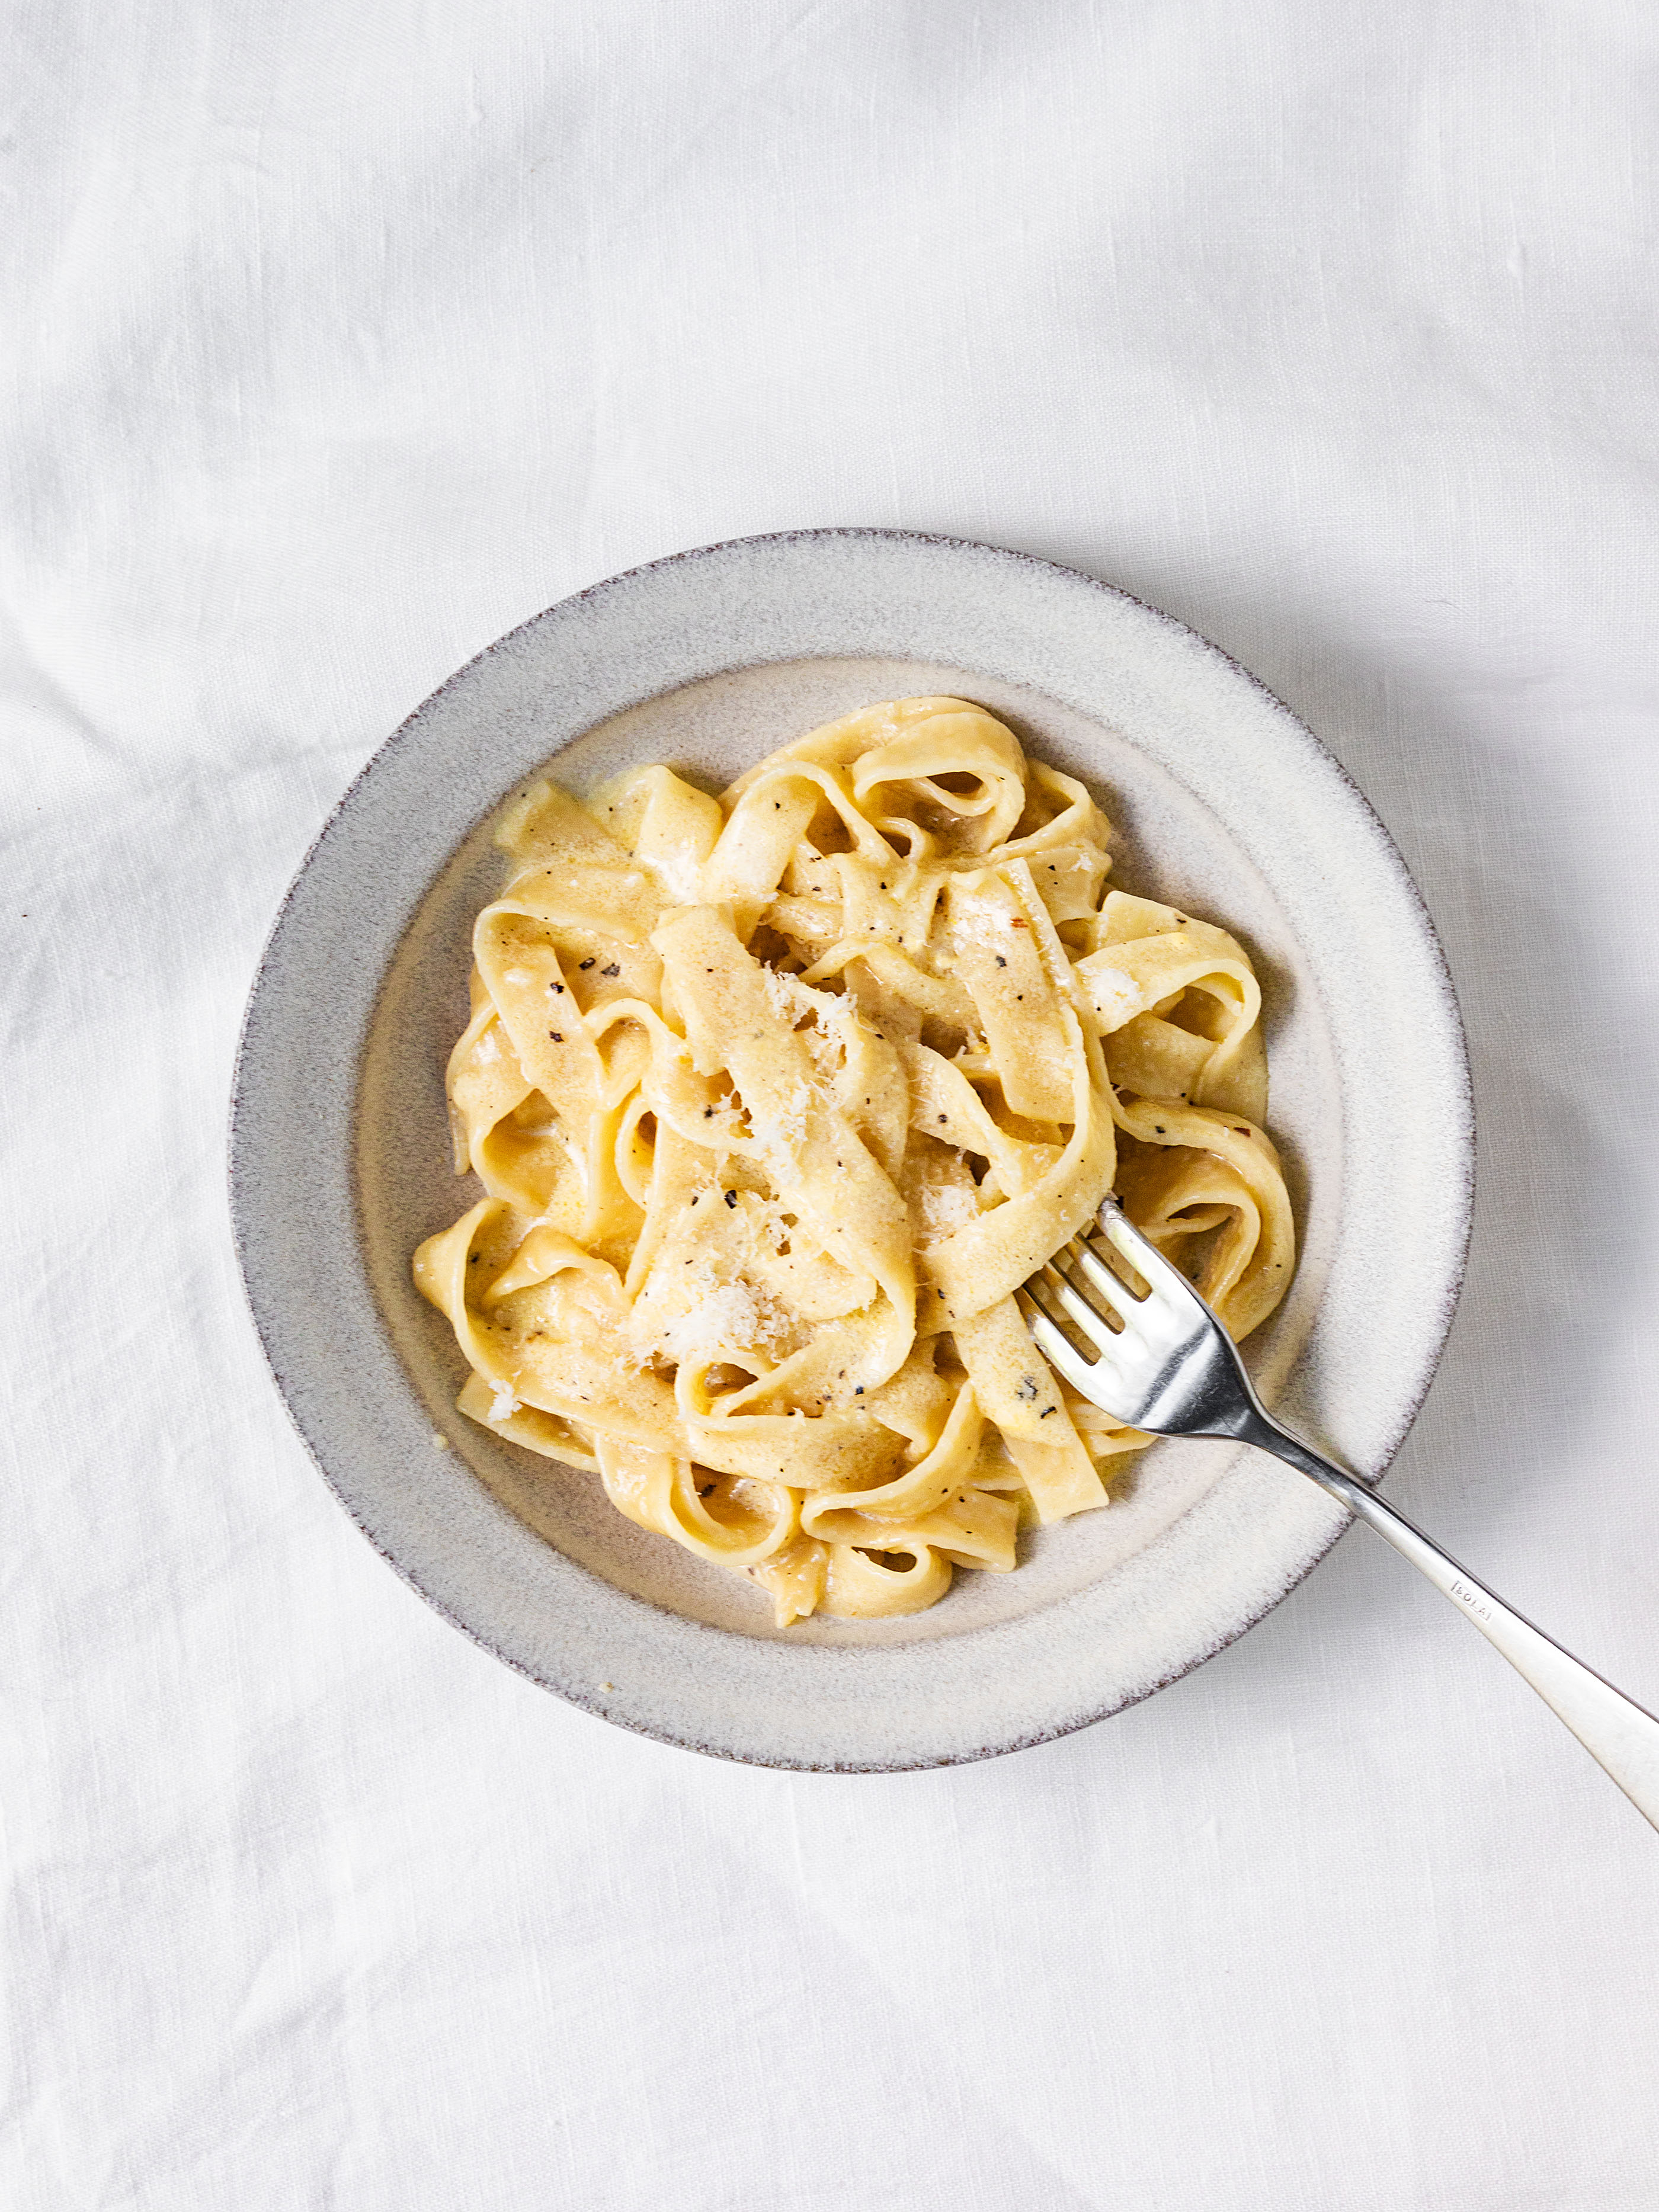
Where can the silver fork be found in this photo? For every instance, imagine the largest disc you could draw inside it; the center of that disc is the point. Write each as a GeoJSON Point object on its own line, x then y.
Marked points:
{"type": "Point", "coordinates": [1163, 1363]}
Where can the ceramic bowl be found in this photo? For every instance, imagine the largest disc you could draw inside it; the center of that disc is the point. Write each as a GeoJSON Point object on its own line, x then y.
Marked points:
{"type": "Point", "coordinates": [1223, 804]}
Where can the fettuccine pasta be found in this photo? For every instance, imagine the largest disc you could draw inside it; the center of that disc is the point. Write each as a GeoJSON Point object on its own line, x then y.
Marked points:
{"type": "Point", "coordinates": [776, 1099]}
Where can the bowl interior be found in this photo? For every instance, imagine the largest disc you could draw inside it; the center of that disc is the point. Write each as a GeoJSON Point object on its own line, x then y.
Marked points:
{"type": "Point", "coordinates": [1167, 844]}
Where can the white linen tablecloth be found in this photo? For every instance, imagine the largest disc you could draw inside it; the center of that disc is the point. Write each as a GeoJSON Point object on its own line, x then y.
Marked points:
{"type": "Point", "coordinates": [339, 340]}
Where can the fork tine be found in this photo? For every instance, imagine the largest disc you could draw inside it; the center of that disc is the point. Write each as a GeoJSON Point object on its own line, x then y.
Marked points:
{"type": "Point", "coordinates": [1092, 1325]}
{"type": "Point", "coordinates": [1061, 1355]}
{"type": "Point", "coordinates": [1100, 1278]}
{"type": "Point", "coordinates": [1042, 1296]}
{"type": "Point", "coordinates": [1144, 1256]}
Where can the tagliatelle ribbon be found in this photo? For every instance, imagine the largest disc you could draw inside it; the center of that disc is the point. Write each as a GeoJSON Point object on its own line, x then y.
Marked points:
{"type": "Point", "coordinates": [777, 1098]}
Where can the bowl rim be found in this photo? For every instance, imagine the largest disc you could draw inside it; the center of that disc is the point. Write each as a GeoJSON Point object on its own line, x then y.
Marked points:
{"type": "Point", "coordinates": [243, 1211]}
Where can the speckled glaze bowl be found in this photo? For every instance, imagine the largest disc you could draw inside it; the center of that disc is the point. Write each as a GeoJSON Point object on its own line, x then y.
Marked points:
{"type": "Point", "coordinates": [1224, 804]}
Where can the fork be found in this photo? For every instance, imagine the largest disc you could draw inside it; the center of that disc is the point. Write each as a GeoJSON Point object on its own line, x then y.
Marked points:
{"type": "Point", "coordinates": [1162, 1363]}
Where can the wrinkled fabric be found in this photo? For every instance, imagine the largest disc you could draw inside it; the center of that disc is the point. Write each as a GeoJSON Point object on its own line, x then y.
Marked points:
{"type": "Point", "coordinates": [339, 340]}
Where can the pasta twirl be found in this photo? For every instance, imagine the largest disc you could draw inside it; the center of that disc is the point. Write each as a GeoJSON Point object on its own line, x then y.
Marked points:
{"type": "Point", "coordinates": [776, 1100]}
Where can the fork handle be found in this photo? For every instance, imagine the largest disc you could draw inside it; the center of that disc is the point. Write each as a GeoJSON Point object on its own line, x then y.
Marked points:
{"type": "Point", "coordinates": [1618, 1733]}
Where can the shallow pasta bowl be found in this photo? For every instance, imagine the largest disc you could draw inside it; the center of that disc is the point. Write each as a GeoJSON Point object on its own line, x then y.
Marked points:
{"type": "Point", "coordinates": [1222, 802]}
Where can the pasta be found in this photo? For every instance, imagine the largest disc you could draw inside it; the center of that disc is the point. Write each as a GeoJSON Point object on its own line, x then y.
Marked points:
{"type": "Point", "coordinates": [777, 1099]}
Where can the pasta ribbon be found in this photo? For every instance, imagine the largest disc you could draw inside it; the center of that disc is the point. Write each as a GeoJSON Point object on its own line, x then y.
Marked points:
{"type": "Point", "coordinates": [776, 1099]}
